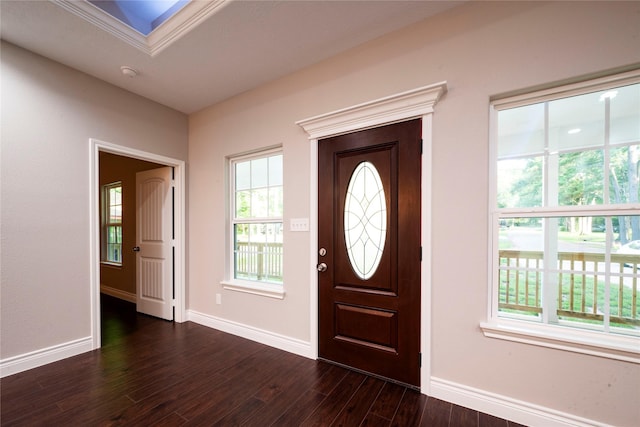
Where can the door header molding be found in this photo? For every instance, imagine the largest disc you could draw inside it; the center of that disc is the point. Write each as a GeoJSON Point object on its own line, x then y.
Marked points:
{"type": "Point", "coordinates": [395, 108]}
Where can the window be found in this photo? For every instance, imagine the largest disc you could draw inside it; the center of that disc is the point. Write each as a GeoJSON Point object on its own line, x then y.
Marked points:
{"type": "Point", "coordinates": [565, 217]}
{"type": "Point", "coordinates": [256, 223]}
{"type": "Point", "coordinates": [112, 220]}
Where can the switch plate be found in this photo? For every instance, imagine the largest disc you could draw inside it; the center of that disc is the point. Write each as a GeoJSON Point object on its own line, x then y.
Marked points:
{"type": "Point", "coordinates": [299, 224]}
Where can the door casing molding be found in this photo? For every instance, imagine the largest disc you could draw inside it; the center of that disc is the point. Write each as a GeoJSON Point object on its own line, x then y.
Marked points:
{"type": "Point", "coordinates": [98, 146]}
{"type": "Point", "coordinates": [412, 104]}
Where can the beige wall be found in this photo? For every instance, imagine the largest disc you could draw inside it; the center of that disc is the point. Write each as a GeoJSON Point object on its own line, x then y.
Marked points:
{"type": "Point", "coordinates": [115, 168]}
{"type": "Point", "coordinates": [481, 49]}
{"type": "Point", "coordinates": [49, 113]}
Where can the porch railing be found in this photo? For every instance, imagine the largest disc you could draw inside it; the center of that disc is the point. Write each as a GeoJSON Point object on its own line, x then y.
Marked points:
{"type": "Point", "coordinates": [580, 285]}
{"type": "Point", "coordinates": [259, 261]}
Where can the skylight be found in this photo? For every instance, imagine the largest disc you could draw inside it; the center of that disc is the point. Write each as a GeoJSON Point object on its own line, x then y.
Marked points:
{"type": "Point", "coordinates": [140, 22]}
{"type": "Point", "coordinates": [144, 16]}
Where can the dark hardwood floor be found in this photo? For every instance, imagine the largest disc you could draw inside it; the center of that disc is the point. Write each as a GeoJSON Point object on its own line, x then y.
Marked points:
{"type": "Point", "coordinates": [150, 372]}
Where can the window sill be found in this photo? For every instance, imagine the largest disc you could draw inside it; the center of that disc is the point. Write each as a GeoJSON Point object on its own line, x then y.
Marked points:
{"type": "Point", "coordinates": [257, 288]}
{"type": "Point", "coordinates": [565, 338]}
{"type": "Point", "coordinates": [110, 264]}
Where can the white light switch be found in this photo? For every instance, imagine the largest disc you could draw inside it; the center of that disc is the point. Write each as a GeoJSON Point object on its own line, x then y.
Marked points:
{"type": "Point", "coordinates": [299, 224]}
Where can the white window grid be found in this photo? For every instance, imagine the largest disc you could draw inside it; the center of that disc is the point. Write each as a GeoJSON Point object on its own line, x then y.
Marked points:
{"type": "Point", "coordinates": [269, 260]}
{"type": "Point", "coordinates": [550, 211]}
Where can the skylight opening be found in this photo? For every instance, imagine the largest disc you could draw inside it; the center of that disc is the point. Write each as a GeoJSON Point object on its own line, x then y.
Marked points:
{"type": "Point", "coordinates": [144, 16]}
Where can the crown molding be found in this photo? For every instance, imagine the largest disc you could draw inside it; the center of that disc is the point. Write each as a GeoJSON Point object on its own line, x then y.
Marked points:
{"type": "Point", "coordinates": [395, 108]}
{"type": "Point", "coordinates": [177, 26]}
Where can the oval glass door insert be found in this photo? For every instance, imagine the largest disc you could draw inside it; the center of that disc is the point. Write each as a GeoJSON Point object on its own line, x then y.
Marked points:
{"type": "Point", "coordinates": [365, 220]}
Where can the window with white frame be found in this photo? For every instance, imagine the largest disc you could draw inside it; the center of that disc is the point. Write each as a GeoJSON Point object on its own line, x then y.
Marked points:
{"type": "Point", "coordinates": [565, 213]}
{"type": "Point", "coordinates": [256, 219]}
{"type": "Point", "coordinates": [112, 221]}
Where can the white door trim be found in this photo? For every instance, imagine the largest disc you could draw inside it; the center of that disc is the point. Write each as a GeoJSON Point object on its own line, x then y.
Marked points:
{"type": "Point", "coordinates": [94, 252]}
{"type": "Point", "coordinates": [416, 103]}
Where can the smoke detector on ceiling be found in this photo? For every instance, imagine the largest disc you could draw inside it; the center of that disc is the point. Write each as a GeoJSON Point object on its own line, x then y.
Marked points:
{"type": "Point", "coordinates": [128, 71]}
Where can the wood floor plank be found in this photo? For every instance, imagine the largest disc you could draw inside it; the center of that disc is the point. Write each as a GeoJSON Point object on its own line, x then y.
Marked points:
{"type": "Point", "coordinates": [437, 413]}
{"type": "Point", "coordinates": [239, 415]}
{"type": "Point", "coordinates": [156, 373]}
{"type": "Point", "coordinates": [330, 379]}
{"type": "Point", "coordinates": [373, 420]}
{"type": "Point", "coordinates": [301, 409]}
{"type": "Point", "coordinates": [388, 400]}
{"type": "Point", "coordinates": [410, 409]}
{"type": "Point", "coordinates": [280, 393]}
{"type": "Point", "coordinates": [26, 418]}
{"type": "Point", "coordinates": [171, 420]}
{"type": "Point", "coordinates": [98, 413]}
{"type": "Point", "coordinates": [358, 406]}
{"type": "Point", "coordinates": [300, 375]}
{"type": "Point", "coordinates": [197, 364]}
{"type": "Point", "coordinates": [31, 400]}
{"type": "Point", "coordinates": [486, 420]}
{"type": "Point", "coordinates": [327, 411]}
{"type": "Point", "coordinates": [161, 404]}
{"type": "Point", "coordinates": [463, 417]}
{"type": "Point", "coordinates": [245, 378]}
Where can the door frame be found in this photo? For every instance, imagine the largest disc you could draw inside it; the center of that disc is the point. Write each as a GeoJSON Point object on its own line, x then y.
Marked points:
{"type": "Point", "coordinates": [412, 104]}
{"type": "Point", "coordinates": [97, 146]}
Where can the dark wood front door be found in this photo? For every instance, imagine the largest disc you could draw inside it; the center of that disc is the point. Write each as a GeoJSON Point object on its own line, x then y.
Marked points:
{"type": "Point", "coordinates": [369, 231]}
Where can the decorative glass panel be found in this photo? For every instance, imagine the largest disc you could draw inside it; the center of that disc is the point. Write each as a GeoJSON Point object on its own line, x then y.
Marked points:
{"type": "Point", "coordinates": [365, 220]}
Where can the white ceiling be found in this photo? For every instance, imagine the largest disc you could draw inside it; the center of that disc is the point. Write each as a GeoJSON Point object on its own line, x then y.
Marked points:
{"type": "Point", "coordinates": [241, 46]}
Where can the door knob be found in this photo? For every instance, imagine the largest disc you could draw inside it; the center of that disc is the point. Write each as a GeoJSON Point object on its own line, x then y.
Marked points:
{"type": "Point", "coordinates": [136, 249]}
{"type": "Point", "coordinates": [322, 267]}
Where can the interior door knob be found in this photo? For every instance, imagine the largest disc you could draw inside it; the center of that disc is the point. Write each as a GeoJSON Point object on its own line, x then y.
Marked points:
{"type": "Point", "coordinates": [322, 267]}
{"type": "Point", "coordinates": [136, 249]}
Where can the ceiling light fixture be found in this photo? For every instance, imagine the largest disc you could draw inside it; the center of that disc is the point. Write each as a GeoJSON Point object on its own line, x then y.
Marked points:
{"type": "Point", "coordinates": [128, 71]}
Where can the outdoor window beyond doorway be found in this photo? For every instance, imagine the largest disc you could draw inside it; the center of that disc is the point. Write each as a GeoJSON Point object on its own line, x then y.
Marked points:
{"type": "Point", "coordinates": [566, 208]}
{"type": "Point", "coordinates": [256, 232]}
{"type": "Point", "coordinates": [112, 223]}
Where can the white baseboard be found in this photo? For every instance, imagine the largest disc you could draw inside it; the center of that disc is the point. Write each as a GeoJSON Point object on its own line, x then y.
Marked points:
{"type": "Point", "coordinates": [34, 359]}
{"type": "Point", "coordinates": [117, 293]}
{"type": "Point", "coordinates": [505, 407]}
{"type": "Point", "coordinates": [282, 342]}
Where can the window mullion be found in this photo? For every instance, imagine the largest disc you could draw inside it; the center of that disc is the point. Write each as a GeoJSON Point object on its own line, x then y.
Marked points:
{"type": "Point", "coordinates": [550, 285]}
{"type": "Point", "coordinates": [608, 223]}
{"type": "Point", "coordinates": [550, 227]}
{"type": "Point", "coordinates": [607, 274]}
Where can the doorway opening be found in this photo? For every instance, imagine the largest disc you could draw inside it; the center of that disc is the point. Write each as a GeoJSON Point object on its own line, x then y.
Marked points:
{"type": "Point", "coordinates": [177, 299]}
{"type": "Point", "coordinates": [369, 249]}
{"type": "Point", "coordinates": [413, 104]}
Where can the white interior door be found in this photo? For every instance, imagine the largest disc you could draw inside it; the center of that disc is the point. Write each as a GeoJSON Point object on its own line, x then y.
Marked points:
{"type": "Point", "coordinates": [154, 243]}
